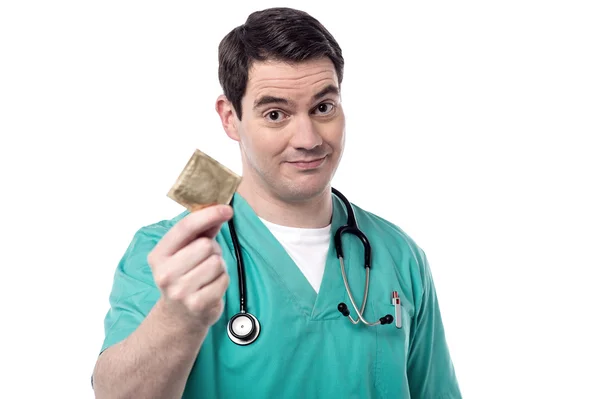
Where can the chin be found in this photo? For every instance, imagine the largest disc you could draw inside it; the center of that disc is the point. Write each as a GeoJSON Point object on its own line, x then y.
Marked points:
{"type": "Point", "coordinates": [303, 191]}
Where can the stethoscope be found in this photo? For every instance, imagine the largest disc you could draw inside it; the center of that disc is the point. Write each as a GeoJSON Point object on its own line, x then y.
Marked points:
{"type": "Point", "coordinates": [244, 328]}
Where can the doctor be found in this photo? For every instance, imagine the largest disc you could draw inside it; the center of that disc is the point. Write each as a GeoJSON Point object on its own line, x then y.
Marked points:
{"type": "Point", "coordinates": [270, 258]}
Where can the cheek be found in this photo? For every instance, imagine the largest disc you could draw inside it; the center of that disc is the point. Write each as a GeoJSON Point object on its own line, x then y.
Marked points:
{"type": "Point", "coordinates": [334, 134]}
{"type": "Point", "coordinates": [262, 143]}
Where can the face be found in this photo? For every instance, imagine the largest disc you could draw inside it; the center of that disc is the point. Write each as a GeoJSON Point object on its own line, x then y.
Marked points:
{"type": "Point", "coordinates": [292, 129]}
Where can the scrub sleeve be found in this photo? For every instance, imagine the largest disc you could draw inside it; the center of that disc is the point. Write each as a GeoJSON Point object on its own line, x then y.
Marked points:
{"type": "Point", "coordinates": [134, 292]}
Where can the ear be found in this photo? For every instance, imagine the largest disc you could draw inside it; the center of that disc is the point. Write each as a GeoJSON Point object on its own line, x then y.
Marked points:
{"type": "Point", "coordinates": [229, 118]}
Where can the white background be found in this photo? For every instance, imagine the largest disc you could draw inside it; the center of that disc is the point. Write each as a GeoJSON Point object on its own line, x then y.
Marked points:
{"type": "Point", "coordinates": [472, 125]}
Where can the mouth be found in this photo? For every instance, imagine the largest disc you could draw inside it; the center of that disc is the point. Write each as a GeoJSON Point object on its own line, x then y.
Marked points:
{"type": "Point", "coordinates": [308, 163]}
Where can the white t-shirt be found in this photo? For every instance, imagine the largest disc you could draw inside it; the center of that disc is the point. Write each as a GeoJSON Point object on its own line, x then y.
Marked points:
{"type": "Point", "coordinates": [307, 247]}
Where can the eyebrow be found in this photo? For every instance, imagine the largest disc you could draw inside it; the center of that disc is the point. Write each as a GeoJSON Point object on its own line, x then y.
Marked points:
{"type": "Point", "coordinates": [267, 100]}
{"type": "Point", "coordinates": [330, 89]}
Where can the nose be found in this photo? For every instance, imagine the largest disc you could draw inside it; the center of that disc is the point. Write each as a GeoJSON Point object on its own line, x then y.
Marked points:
{"type": "Point", "coordinates": [306, 135]}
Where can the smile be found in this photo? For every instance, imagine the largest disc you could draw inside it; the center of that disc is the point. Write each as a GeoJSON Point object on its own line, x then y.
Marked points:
{"type": "Point", "coordinates": [309, 164]}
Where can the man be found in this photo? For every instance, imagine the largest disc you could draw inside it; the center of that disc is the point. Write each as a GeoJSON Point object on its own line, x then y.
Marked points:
{"type": "Point", "coordinates": [167, 332]}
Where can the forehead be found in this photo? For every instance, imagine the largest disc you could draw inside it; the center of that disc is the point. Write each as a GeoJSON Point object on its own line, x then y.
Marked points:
{"type": "Point", "coordinates": [290, 79]}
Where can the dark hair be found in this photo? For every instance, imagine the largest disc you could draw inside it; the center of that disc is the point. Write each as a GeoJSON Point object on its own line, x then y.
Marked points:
{"type": "Point", "coordinates": [280, 34]}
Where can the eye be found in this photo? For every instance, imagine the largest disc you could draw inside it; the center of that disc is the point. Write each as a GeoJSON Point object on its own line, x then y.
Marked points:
{"type": "Point", "coordinates": [275, 116]}
{"type": "Point", "coordinates": [325, 108]}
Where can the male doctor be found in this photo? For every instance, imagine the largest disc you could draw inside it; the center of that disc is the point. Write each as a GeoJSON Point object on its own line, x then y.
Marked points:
{"type": "Point", "coordinates": [176, 287]}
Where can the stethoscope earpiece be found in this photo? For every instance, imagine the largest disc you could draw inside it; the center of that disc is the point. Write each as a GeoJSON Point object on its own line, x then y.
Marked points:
{"type": "Point", "coordinates": [343, 308]}
{"type": "Point", "coordinates": [387, 319]}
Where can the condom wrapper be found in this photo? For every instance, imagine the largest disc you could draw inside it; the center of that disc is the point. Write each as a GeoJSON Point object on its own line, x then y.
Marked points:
{"type": "Point", "coordinates": [204, 182]}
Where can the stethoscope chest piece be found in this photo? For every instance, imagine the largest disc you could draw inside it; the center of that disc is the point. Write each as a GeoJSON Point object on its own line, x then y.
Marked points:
{"type": "Point", "coordinates": [243, 328]}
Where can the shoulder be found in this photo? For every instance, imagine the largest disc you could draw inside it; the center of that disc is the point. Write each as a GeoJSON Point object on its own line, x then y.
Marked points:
{"type": "Point", "coordinates": [134, 260]}
{"type": "Point", "coordinates": [406, 255]}
{"type": "Point", "coordinates": [162, 226]}
{"type": "Point", "coordinates": [148, 235]}
{"type": "Point", "coordinates": [392, 236]}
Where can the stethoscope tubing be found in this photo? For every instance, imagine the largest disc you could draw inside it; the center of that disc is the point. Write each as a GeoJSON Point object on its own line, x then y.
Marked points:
{"type": "Point", "coordinates": [351, 227]}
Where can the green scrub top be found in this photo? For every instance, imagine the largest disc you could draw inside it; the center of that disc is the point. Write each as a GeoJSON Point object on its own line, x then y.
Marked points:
{"type": "Point", "coordinates": [306, 347]}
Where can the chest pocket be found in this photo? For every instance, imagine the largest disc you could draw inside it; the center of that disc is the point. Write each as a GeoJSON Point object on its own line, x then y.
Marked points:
{"type": "Point", "coordinates": [393, 340]}
{"type": "Point", "coordinates": [393, 346]}
{"type": "Point", "coordinates": [393, 343]}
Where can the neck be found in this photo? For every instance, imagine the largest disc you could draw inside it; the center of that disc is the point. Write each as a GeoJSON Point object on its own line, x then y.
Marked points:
{"type": "Point", "coordinates": [312, 213]}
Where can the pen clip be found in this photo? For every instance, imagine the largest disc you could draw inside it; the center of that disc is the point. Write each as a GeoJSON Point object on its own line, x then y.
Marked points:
{"type": "Point", "coordinates": [397, 308]}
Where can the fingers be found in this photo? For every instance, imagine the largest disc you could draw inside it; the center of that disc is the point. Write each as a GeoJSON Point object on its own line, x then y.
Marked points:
{"type": "Point", "coordinates": [208, 296]}
{"type": "Point", "coordinates": [188, 266]}
{"type": "Point", "coordinates": [186, 259]}
{"type": "Point", "coordinates": [194, 225]}
{"type": "Point", "coordinates": [197, 278]}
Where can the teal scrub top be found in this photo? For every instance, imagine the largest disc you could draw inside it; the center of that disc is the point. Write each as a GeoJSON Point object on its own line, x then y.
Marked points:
{"type": "Point", "coordinates": [306, 347]}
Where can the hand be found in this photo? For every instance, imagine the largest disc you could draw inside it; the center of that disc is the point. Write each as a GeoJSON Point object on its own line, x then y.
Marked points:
{"type": "Point", "coordinates": [189, 269]}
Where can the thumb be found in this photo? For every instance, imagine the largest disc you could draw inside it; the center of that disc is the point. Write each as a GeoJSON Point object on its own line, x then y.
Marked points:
{"type": "Point", "coordinates": [204, 222]}
{"type": "Point", "coordinates": [227, 213]}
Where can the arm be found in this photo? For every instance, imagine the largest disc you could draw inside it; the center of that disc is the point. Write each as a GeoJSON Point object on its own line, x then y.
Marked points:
{"type": "Point", "coordinates": [430, 368]}
{"type": "Point", "coordinates": [153, 362]}
{"type": "Point", "coordinates": [167, 292]}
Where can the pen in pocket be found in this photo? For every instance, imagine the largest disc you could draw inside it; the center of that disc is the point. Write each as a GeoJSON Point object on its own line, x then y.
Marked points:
{"type": "Point", "coordinates": [397, 308]}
